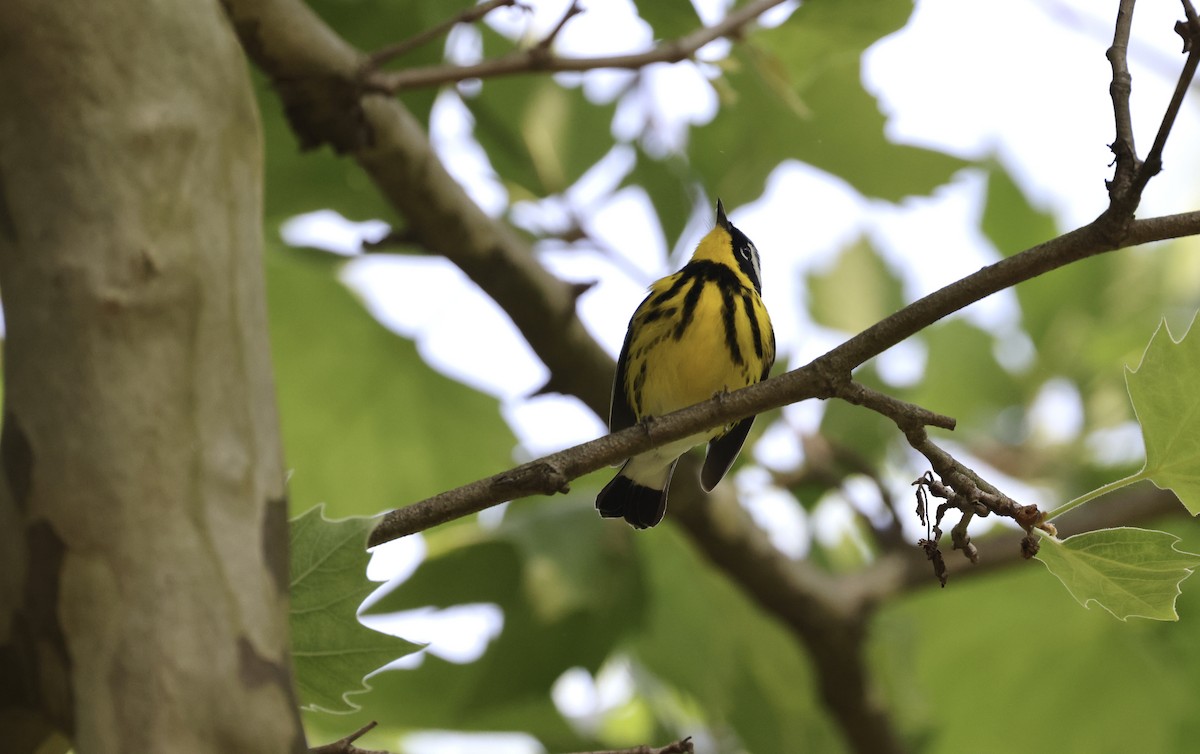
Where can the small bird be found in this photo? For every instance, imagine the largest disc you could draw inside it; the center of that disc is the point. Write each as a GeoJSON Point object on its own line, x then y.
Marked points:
{"type": "Point", "coordinates": [699, 332]}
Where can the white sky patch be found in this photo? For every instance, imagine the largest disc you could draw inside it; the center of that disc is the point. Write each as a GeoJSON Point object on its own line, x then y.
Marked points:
{"type": "Point", "coordinates": [458, 634]}
{"type": "Point", "coordinates": [803, 219]}
{"type": "Point", "coordinates": [903, 365]}
{"type": "Point", "coordinates": [862, 493]}
{"type": "Point", "coordinates": [626, 227]}
{"type": "Point", "coordinates": [328, 230]}
{"type": "Point", "coordinates": [1014, 350]}
{"type": "Point", "coordinates": [1045, 110]}
{"type": "Point", "coordinates": [677, 96]}
{"type": "Point", "coordinates": [451, 131]}
{"type": "Point", "coordinates": [550, 423]}
{"type": "Point", "coordinates": [459, 330]}
{"type": "Point", "coordinates": [834, 523]}
{"type": "Point", "coordinates": [774, 510]}
{"type": "Point", "coordinates": [1056, 414]}
{"type": "Point", "coordinates": [778, 447]}
{"type": "Point", "coordinates": [804, 417]}
{"type": "Point", "coordinates": [1118, 445]}
{"type": "Point", "coordinates": [934, 241]}
{"type": "Point", "coordinates": [449, 742]}
{"type": "Point", "coordinates": [585, 699]}
{"type": "Point", "coordinates": [397, 559]}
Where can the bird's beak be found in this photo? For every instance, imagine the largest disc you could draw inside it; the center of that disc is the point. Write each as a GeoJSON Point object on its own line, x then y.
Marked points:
{"type": "Point", "coordinates": [722, 220]}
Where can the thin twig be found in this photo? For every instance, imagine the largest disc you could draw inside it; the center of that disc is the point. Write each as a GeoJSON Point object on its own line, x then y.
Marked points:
{"type": "Point", "coordinates": [683, 746]}
{"type": "Point", "coordinates": [539, 59]}
{"type": "Point", "coordinates": [1153, 163]}
{"type": "Point", "coordinates": [905, 415]}
{"type": "Point", "coordinates": [574, 9]}
{"type": "Point", "coordinates": [470, 15]}
{"type": "Point", "coordinates": [346, 745]}
{"type": "Point", "coordinates": [1122, 84]}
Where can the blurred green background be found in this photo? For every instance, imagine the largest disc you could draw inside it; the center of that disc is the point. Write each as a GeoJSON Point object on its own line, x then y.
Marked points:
{"type": "Point", "coordinates": [638, 635]}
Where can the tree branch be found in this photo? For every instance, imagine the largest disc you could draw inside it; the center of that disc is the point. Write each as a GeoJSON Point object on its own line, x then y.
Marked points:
{"type": "Point", "coordinates": [822, 378]}
{"type": "Point", "coordinates": [316, 74]}
{"type": "Point", "coordinates": [470, 15]}
{"type": "Point", "coordinates": [1125, 155]}
{"type": "Point", "coordinates": [540, 59]}
{"type": "Point", "coordinates": [682, 746]}
{"type": "Point", "coordinates": [346, 745]}
{"type": "Point", "coordinates": [1190, 31]}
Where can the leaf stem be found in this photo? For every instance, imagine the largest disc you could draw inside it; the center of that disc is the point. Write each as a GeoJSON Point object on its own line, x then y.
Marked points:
{"type": "Point", "coordinates": [1087, 497]}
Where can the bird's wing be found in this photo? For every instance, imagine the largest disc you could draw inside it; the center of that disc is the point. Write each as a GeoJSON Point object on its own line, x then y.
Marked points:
{"type": "Point", "coordinates": [620, 415]}
{"type": "Point", "coordinates": [721, 453]}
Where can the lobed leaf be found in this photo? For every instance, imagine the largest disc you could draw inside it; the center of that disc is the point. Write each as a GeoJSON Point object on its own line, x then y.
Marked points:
{"type": "Point", "coordinates": [1130, 572]}
{"type": "Point", "coordinates": [1167, 403]}
{"type": "Point", "coordinates": [331, 650]}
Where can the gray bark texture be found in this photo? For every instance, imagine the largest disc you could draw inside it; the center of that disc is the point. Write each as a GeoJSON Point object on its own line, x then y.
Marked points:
{"type": "Point", "coordinates": [143, 539]}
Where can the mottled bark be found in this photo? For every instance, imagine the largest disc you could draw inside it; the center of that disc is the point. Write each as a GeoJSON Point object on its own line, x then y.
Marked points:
{"type": "Point", "coordinates": [143, 563]}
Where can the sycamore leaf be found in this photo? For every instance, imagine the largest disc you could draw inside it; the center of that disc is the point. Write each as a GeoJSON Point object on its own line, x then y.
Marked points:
{"type": "Point", "coordinates": [332, 651]}
{"type": "Point", "coordinates": [1165, 397]}
{"type": "Point", "coordinates": [1129, 572]}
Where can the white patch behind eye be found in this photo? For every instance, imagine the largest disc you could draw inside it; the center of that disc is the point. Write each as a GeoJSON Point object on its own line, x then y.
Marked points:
{"type": "Point", "coordinates": [754, 261]}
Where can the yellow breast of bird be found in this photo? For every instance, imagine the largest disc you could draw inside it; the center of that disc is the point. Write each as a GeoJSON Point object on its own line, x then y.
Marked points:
{"type": "Point", "coordinates": [682, 352]}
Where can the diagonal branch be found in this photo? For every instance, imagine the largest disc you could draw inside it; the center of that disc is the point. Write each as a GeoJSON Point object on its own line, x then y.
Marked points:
{"type": "Point", "coordinates": [824, 377]}
{"type": "Point", "coordinates": [1190, 31]}
{"type": "Point", "coordinates": [346, 745]}
{"type": "Point", "coordinates": [470, 15]}
{"type": "Point", "coordinates": [573, 10]}
{"type": "Point", "coordinates": [682, 746]}
{"type": "Point", "coordinates": [541, 59]}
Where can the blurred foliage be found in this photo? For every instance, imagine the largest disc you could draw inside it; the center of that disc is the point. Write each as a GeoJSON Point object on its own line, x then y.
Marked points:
{"type": "Point", "coordinates": [1051, 676]}
{"type": "Point", "coordinates": [368, 426]}
{"type": "Point", "coordinates": [366, 423]}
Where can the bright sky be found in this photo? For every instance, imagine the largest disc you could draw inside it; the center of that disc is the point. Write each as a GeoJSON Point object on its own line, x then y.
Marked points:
{"type": "Point", "coordinates": [1029, 88]}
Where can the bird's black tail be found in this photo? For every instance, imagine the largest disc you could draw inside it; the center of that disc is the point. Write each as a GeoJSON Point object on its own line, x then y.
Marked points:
{"type": "Point", "coordinates": [641, 506]}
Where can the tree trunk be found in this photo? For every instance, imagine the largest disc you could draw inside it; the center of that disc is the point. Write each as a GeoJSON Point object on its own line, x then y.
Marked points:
{"type": "Point", "coordinates": [143, 542]}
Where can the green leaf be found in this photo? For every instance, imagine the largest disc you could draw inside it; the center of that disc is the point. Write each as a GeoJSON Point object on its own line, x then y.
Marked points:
{"type": "Point", "coordinates": [714, 646]}
{"type": "Point", "coordinates": [540, 137]}
{"type": "Point", "coordinates": [1129, 572]}
{"type": "Point", "coordinates": [331, 650]}
{"type": "Point", "coordinates": [1165, 396]}
{"type": "Point", "coordinates": [669, 18]}
{"type": "Point", "coordinates": [1009, 220]}
{"type": "Point", "coordinates": [366, 423]}
{"type": "Point", "coordinates": [1083, 681]}
{"type": "Point", "coordinates": [876, 290]}
{"type": "Point", "coordinates": [800, 86]}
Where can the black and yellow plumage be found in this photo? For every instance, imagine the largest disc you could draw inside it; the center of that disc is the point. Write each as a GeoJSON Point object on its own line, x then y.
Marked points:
{"type": "Point", "coordinates": [700, 331]}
